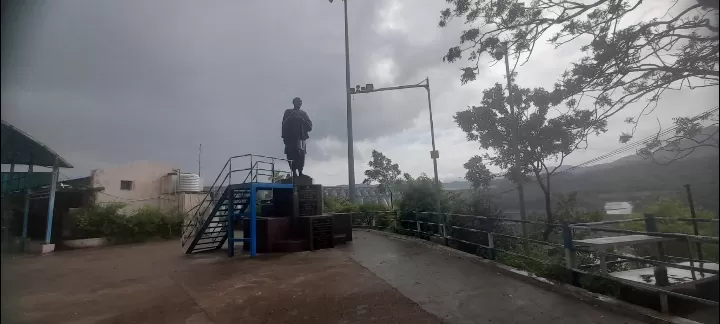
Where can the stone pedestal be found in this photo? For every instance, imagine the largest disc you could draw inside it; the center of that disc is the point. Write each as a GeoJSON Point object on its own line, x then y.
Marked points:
{"type": "Point", "coordinates": [317, 230]}
{"type": "Point", "coordinates": [39, 248]}
{"type": "Point", "coordinates": [309, 199]}
{"type": "Point", "coordinates": [342, 228]}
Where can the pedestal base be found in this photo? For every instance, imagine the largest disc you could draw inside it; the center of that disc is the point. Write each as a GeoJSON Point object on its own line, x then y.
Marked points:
{"type": "Point", "coordinates": [39, 248]}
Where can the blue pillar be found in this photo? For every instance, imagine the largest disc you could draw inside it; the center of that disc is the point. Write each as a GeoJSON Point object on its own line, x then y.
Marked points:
{"type": "Point", "coordinates": [570, 261]}
{"type": "Point", "coordinates": [7, 209]}
{"type": "Point", "coordinates": [26, 213]}
{"type": "Point", "coordinates": [253, 220]}
{"type": "Point", "coordinates": [51, 202]}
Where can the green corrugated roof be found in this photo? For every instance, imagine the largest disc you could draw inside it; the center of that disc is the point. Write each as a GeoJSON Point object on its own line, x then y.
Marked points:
{"type": "Point", "coordinates": [19, 181]}
{"type": "Point", "coordinates": [19, 148]}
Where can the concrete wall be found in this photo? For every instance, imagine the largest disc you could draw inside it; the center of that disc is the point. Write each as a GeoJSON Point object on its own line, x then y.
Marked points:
{"type": "Point", "coordinates": [190, 202]}
{"type": "Point", "coordinates": [148, 181]}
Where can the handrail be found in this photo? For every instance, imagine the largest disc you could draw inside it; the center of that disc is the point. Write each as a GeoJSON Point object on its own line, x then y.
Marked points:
{"type": "Point", "coordinates": [227, 170]}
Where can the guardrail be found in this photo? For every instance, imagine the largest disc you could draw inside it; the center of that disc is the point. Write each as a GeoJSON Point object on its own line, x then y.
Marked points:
{"type": "Point", "coordinates": [497, 238]}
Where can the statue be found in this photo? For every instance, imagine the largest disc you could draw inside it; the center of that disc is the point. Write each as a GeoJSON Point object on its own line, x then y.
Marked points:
{"type": "Point", "coordinates": [295, 127]}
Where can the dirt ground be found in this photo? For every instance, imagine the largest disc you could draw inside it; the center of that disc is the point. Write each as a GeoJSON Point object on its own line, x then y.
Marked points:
{"type": "Point", "coordinates": [157, 283]}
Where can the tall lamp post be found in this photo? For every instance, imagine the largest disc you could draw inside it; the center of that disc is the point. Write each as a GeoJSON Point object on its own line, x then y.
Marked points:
{"type": "Point", "coordinates": [425, 84]}
{"type": "Point", "coordinates": [434, 154]}
{"type": "Point", "coordinates": [351, 158]}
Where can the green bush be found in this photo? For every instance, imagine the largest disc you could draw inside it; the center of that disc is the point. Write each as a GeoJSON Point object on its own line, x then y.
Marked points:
{"type": "Point", "coordinates": [108, 221]}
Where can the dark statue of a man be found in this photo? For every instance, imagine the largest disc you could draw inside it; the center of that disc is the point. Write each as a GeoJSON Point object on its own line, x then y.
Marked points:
{"type": "Point", "coordinates": [295, 128]}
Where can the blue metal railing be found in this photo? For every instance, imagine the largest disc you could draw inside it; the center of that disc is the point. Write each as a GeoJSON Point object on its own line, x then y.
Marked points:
{"type": "Point", "coordinates": [224, 179]}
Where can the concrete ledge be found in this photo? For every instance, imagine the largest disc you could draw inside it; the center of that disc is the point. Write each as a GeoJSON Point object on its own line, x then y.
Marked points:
{"type": "Point", "coordinates": [39, 248]}
{"type": "Point", "coordinates": [609, 303]}
{"type": "Point", "coordinates": [86, 243]}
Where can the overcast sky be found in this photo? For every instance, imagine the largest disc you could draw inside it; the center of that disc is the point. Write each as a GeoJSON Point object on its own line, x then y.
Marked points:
{"type": "Point", "coordinates": [111, 82]}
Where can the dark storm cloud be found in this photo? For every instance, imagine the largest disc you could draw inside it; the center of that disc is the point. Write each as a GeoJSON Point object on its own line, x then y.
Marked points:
{"type": "Point", "coordinates": [117, 81]}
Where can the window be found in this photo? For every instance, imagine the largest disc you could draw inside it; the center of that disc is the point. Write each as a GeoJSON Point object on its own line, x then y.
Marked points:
{"type": "Point", "coordinates": [126, 185]}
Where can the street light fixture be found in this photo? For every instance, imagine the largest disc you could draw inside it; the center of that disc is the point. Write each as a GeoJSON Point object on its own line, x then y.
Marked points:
{"type": "Point", "coordinates": [425, 84]}
{"type": "Point", "coordinates": [434, 154]}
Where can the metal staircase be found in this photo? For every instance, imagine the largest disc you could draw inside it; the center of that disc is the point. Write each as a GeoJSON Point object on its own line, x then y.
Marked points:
{"type": "Point", "coordinates": [212, 223]}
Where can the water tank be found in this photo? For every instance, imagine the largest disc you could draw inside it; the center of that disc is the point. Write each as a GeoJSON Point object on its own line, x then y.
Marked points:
{"type": "Point", "coordinates": [189, 182]}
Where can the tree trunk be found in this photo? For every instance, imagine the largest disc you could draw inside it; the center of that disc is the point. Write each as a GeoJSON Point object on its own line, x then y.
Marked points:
{"type": "Point", "coordinates": [391, 200]}
{"type": "Point", "coordinates": [548, 211]}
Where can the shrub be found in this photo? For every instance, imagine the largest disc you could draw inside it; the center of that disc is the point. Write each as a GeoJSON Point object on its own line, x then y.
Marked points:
{"type": "Point", "coordinates": [108, 221]}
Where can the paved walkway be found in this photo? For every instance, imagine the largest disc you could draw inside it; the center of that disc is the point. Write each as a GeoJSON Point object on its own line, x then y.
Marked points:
{"type": "Point", "coordinates": [376, 279]}
{"type": "Point", "coordinates": [156, 283]}
{"type": "Point", "coordinates": [460, 291]}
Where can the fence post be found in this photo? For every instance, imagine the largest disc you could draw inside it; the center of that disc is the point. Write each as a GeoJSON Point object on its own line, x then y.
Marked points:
{"type": "Point", "coordinates": [490, 228]}
{"type": "Point", "coordinates": [661, 278]}
{"type": "Point", "coordinates": [660, 271]}
{"type": "Point", "coordinates": [570, 254]}
{"type": "Point", "coordinates": [374, 220]}
{"type": "Point", "coordinates": [417, 225]}
{"type": "Point", "coordinates": [396, 221]}
{"type": "Point", "coordinates": [698, 245]}
{"type": "Point", "coordinates": [444, 228]}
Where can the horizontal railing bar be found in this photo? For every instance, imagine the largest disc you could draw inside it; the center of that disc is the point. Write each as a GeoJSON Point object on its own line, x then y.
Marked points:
{"type": "Point", "coordinates": [696, 238]}
{"type": "Point", "coordinates": [699, 220]}
{"type": "Point", "coordinates": [654, 289]}
{"type": "Point", "coordinates": [531, 240]}
{"type": "Point", "coordinates": [498, 219]}
{"type": "Point", "coordinates": [260, 156]}
{"type": "Point", "coordinates": [650, 261]}
{"type": "Point", "coordinates": [609, 222]}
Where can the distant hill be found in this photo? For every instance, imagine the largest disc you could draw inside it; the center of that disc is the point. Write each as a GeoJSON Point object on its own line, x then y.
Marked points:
{"type": "Point", "coordinates": [630, 178]}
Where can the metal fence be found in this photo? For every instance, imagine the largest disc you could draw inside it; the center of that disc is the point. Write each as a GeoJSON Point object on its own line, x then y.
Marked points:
{"type": "Point", "coordinates": [577, 250]}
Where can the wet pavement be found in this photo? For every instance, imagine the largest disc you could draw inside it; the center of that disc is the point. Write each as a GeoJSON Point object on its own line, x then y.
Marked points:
{"type": "Point", "coordinates": [460, 291]}
{"type": "Point", "coordinates": [157, 283]}
{"type": "Point", "coordinates": [376, 279]}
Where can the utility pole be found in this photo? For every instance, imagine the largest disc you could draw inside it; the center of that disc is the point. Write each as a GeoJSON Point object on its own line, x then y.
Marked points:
{"type": "Point", "coordinates": [434, 154]}
{"type": "Point", "coordinates": [199, 157]}
{"type": "Point", "coordinates": [350, 147]}
{"type": "Point", "coordinates": [514, 143]}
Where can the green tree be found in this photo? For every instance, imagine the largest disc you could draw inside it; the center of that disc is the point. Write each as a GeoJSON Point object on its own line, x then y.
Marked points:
{"type": "Point", "coordinates": [477, 173]}
{"type": "Point", "coordinates": [687, 135]}
{"type": "Point", "coordinates": [383, 171]}
{"type": "Point", "coordinates": [628, 59]}
{"type": "Point", "coordinates": [421, 194]}
{"type": "Point", "coordinates": [542, 140]}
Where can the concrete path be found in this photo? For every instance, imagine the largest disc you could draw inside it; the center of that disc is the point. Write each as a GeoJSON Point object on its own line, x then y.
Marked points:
{"type": "Point", "coordinates": [459, 291]}
{"type": "Point", "coordinates": [156, 283]}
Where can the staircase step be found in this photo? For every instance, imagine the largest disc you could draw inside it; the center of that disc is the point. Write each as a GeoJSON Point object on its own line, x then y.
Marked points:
{"type": "Point", "coordinates": [204, 250]}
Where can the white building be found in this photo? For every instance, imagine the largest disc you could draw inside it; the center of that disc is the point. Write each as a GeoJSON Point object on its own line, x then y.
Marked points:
{"type": "Point", "coordinates": [617, 209]}
{"type": "Point", "coordinates": [146, 183]}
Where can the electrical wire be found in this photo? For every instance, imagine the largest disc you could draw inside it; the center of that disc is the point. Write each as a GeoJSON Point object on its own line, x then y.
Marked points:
{"type": "Point", "coordinates": [622, 149]}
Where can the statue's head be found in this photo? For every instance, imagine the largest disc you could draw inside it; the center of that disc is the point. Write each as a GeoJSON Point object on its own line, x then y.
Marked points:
{"type": "Point", "coordinates": [297, 103]}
